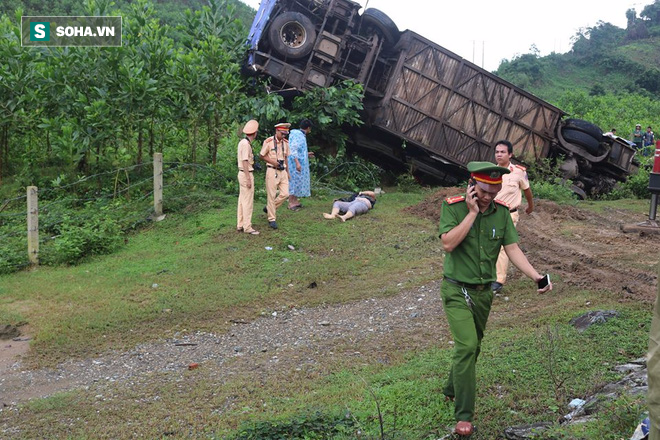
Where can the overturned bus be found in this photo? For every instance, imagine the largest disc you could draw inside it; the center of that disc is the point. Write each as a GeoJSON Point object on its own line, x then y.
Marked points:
{"type": "Point", "coordinates": [425, 108]}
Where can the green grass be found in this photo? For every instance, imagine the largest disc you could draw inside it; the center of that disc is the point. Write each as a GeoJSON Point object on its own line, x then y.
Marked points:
{"type": "Point", "coordinates": [195, 269]}
{"type": "Point", "coordinates": [525, 375]}
{"type": "Point", "coordinates": [634, 205]}
{"type": "Point", "coordinates": [532, 364]}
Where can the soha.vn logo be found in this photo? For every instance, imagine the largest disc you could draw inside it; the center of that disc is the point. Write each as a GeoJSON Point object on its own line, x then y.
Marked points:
{"type": "Point", "coordinates": [40, 31]}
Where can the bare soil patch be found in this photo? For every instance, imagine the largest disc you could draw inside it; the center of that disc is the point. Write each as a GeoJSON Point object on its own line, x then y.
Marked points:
{"type": "Point", "coordinates": [585, 249]}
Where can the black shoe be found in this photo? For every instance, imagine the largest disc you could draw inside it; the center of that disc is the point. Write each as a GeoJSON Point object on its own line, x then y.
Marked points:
{"type": "Point", "coordinates": [265, 210]}
{"type": "Point", "coordinates": [272, 225]}
{"type": "Point", "coordinates": [496, 287]}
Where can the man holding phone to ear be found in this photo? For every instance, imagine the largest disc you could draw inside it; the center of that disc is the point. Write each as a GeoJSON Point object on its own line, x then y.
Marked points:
{"type": "Point", "coordinates": [473, 228]}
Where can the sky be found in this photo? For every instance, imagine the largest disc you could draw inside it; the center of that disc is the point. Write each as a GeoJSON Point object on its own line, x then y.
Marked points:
{"type": "Point", "coordinates": [486, 32]}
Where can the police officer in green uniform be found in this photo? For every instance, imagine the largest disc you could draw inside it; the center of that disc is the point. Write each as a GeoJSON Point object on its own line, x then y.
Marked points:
{"type": "Point", "coordinates": [473, 228]}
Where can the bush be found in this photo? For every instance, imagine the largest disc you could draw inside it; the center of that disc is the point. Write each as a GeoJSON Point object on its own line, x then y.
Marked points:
{"type": "Point", "coordinates": [94, 234]}
{"type": "Point", "coordinates": [350, 174]}
{"type": "Point", "coordinates": [13, 256]}
{"type": "Point", "coordinates": [546, 182]}
{"type": "Point", "coordinates": [311, 426]}
{"type": "Point", "coordinates": [555, 189]}
{"type": "Point", "coordinates": [637, 186]}
{"type": "Point", "coordinates": [407, 183]}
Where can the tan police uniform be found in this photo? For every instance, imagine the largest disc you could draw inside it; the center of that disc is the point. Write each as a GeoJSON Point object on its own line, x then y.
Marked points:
{"type": "Point", "coordinates": [276, 179]}
{"type": "Point", "coordinates": [511, 194]}
{"type": "Point", "coordinates": [245, 195]}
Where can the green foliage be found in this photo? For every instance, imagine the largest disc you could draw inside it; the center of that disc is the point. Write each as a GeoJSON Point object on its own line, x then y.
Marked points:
{"type": "Point", "coordinates": [346, 173]}
{"type": "Point", "coordinates": [636, 186]}
{"type": "Point", "coordinates": [92, 234]}
{"type": "Point", "coordinates": [619, 111]}
{"type": "Point", "coordinates": [307, 426]}
{"type": "Point", "coordinates": [77, 220]}
{"type": "Point", "coordinates": [13, 253]}
{"type": "Point", "coordinates": [331, 109]}
{"type": "Point", "coordinates": [91, 109]}
{"type": "Point", "coordinates": [524, 70]}
{"type": "Point", "coordinates": [593, 42]}
{"type": "Point", "coordinates": [555, 189]}
{"type": "Point", "coordinates": [407, 183]}
{"type": "Point", "coordinates": [546, 182]}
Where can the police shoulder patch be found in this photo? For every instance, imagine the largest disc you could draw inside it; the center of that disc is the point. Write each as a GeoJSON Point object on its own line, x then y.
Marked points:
{"type": "Point", "coordinates": [499, 202]}
{"type": "Point", "coordinates": [455, 199]}
{"type": "Point", "coordinates": [521, 167]}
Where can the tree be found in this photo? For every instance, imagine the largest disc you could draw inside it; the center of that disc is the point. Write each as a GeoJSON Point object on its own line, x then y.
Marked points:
{"type": "Point", "coordinates": [19, 100]}
{"type": "Point", "coordinates": [652, 13]}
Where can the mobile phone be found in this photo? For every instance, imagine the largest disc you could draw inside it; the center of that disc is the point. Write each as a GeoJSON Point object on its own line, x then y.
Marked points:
{"type": "Point", "coordinates": [543, 282]}
{"type": "Point", "coordinates": [471, 183]}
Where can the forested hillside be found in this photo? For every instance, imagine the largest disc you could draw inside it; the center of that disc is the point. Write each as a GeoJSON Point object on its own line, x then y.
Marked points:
{"type": "Point", "coordinates": [604, 59]}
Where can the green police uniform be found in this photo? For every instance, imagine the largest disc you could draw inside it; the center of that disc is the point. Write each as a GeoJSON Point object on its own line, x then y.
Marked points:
{"type": "Point", "coordinates": [469, 270]}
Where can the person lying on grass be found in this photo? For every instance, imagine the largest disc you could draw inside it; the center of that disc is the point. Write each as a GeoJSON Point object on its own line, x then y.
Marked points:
{"type": "Point", "coordinates": [348, 207]}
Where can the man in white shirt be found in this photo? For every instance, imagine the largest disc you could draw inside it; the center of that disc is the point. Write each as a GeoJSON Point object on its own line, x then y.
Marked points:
{"type": "Point", "coordinates": [512, 185]}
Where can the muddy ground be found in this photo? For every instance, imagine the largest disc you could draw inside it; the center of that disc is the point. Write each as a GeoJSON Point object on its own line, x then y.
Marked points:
{"type": "Point", "coordinates": [586, 250]}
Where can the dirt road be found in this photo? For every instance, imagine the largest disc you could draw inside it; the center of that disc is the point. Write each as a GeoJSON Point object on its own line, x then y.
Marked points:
{"type": "Point", "coordinates": [586, 250]}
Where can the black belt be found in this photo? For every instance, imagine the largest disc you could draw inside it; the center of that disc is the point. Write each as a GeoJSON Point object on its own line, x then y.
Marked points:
{"type": "Point", "coordinates": [513, 210]}
{"type": "Point", "coordinates": [242, 170]}
{"type": "Point", "coordinates": [468, 286]}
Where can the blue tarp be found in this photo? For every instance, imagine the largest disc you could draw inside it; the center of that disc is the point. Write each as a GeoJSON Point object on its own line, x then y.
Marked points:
{"type": "Point", "coordinates": [258, 25]}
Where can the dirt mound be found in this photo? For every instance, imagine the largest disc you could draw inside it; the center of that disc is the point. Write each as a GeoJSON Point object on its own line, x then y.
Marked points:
{"type": "Point", "coordinates": [431, 206]}
{"type": "Point", "coordinates": [583, 249]}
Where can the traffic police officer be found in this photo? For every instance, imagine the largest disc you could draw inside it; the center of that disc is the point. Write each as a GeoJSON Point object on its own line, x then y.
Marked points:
{"type": "Point", "coordinates": [473, 228]}
{"type": "Point", "coordinates": [274, 152]}
{"type": "Point", "coordinates": [510, 194]}
{"type": "Point", "coordinates": [245, 159]}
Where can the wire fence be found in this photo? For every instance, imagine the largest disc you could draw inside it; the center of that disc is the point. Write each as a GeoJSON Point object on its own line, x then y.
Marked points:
{"type": "Point", "coordinates": [126, 198]}
{"type": "Point", "coordinates": [73, 219]}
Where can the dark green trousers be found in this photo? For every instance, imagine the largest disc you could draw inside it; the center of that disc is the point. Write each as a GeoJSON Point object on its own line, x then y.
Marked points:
{"type": "Point", "coordinates": [467, 325]}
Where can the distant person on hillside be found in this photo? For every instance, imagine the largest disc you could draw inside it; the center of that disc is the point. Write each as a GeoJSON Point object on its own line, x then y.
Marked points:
{"type": "Point", "coordinates": [649, 141]}
{"type": "Point", "coordinates": [638, 137]}
{"type": "Point", "coordinates": [611, 133]}
{"type": "Point", "coordinates": [356, 204]}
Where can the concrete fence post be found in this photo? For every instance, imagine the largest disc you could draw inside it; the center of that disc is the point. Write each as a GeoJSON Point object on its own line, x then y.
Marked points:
{"type": "Point", "coordinates": [158, 185]}
{"type": "Point", "coordinates": [33, 224]}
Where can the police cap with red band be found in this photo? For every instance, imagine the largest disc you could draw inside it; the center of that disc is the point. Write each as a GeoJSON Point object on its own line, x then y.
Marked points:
{"type": "Point", "coordinates": [283, 126]}
{"type": "Point", "coordinates": [487, 175]}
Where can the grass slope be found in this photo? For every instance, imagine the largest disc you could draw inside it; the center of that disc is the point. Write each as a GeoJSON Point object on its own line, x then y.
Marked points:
{"type": "Point", "coordinates": [194, 269]}
{"type": "Point", "coordinates": [531, 365]}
